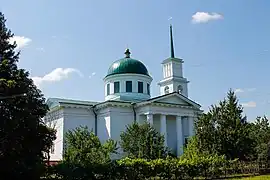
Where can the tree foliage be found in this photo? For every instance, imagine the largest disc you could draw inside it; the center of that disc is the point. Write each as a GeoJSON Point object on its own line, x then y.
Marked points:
{"type": "Point", "coordinates": [143, 141]}
{"type": "Point", "coordinates": [225, 131]}
{"type": "Point", "coordinates": [260, 133]}
{"type": "Point", "coordinates": [24, 137]}
{"type": "Point", "coordinates": [83, 148]}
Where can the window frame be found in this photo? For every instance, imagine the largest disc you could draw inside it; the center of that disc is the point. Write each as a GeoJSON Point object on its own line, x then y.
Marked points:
{"type": "Point", "coordinates": [140, 83]}
{"type": "Point", "coordinates": [108, 89]}
{"type": "Point", "coordinates": [114, 87]}
{"type": "Point", "coordinates": [52, 149]}
{"type": "Point", "coordinates": [127, 83]}
{"type": "Point", "coordinates": [180, 89]}
{"type": "Point", "coordinates": [148, 88]}
{"type": "Point", "coordinates": [166, 90]}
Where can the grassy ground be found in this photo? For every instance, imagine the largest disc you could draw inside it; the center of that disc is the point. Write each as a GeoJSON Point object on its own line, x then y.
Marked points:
{"type": "Point", "coordinates": [255, 178]}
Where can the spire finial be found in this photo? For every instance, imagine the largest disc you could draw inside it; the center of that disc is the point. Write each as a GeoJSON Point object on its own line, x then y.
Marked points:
{"type": "Point", "coordinates": [171, 36]}
{"type": "Point", "coordinates": [127, 53]}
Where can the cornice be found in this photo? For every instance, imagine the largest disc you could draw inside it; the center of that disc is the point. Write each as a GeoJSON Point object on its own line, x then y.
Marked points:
{"type": "Point", "coordinates": [76, 106]}
{"type": "Point", "coordinates": [169, 105]}
{"type": "Point", "coordinates": [171, 79]}
{"type": "Point", "coordinates": [113, 104]}
{"type": "Point", "coordinates": [115, 76]}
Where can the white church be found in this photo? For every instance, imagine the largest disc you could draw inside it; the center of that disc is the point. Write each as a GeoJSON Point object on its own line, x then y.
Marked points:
{"type": "Point", "coordinates": [127, 100]}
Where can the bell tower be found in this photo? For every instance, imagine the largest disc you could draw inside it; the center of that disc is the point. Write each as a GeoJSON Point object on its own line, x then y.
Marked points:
{"type": "Point", "coordinates": [173, 80]}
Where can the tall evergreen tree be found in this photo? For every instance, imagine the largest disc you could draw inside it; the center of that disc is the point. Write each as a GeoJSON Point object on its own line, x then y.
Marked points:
{"type": "Point", "coordinates": [24, 137]}
{"type": "Point", "coordinates": [224, 130]}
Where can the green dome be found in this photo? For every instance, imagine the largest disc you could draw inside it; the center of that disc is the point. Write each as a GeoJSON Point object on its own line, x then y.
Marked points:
{"type": "Point", "coordinates": [127, 65]}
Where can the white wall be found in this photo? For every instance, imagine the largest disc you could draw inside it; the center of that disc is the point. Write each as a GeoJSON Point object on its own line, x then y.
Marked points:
{"type": "Point", "coordinates": [76, 117]}
{"type": "Point", "coordinates": [58, 143]}
{"type": "Point", "coordinates": [104, 125]}
{"type": "Point", "coordinates": [120, 118]}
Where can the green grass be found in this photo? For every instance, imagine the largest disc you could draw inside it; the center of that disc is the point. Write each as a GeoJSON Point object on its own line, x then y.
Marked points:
{"type": "Point", "coordinates": [254, 178]}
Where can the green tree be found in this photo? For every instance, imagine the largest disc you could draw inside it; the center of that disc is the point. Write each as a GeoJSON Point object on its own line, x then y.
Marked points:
{"type": "Point", "coordinates": [143, 141]}
{"type": "Point", "coordinates": [24, 137]}
{"type": "Point", "coordinates": [225, 131]}
{"type": "Point", "coordinates": [260, 133]}
{"type": "Point", "coordinates": [83, 148]}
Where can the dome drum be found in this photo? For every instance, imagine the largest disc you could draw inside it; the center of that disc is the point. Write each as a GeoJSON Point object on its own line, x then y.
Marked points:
{"type": "Point", "coordinates": [127, 87]}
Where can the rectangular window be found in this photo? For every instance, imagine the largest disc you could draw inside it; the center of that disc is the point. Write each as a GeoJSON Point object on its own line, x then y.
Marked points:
{"type": "Point", "coordinates": [108, 89]}
{"type": "Point", "coordinates": [140, 87]}
{"type": "Point", "coordinates": [52, 149]}
{"type": "Point", "coordinates": [128, 86]}
{"type": "Point", "coordinates": [148, 89]}
{"type": "Point", "coordinates": [116, 87]}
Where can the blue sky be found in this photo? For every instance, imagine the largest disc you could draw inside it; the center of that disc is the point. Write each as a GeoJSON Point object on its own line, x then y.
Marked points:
{"type": "Point", "coordinates": [76, 41]}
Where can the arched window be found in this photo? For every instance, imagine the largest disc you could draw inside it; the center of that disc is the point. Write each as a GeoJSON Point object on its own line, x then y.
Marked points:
{"type": "Point", "coordinates": [180, 89]}
{"type": "Point", "coordinates": [166, 90]}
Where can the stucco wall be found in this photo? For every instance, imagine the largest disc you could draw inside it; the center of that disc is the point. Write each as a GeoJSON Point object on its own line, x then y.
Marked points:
{"type": "Point", "coordinates": [75, 117]}
{"type": "Point", "coordinates": [120, 118]}
{"type": "Point", "coordinates": [56, 155]}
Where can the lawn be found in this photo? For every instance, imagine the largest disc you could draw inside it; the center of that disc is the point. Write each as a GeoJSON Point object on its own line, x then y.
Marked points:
{"type": "Point", "coordinates": [254, 178]}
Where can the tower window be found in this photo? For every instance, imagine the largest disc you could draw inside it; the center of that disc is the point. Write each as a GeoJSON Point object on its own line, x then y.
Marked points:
{"type": "Point", "coordinates": [180, 89]}
{"type": "Point", "coordinates": [116, 87]}
{"type": "Point", "coordinates": [140, 87]}
{"type": "Point", "coordinates": [128, 86]}
{"type": "Point", "coordinates": [166, 90]}
{"type": "Point", "coordinates": [108, 89]}
{"type": "Point", "coordinates": [148, 89]}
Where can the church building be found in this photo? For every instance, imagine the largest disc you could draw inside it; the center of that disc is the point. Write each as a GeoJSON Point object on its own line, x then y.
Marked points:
{"type": "Point", "coordinates": [127, 87]}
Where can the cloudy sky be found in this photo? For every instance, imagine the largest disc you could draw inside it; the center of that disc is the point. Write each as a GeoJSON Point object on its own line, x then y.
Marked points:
{"type": "Point", "coordinates": [68, 45]}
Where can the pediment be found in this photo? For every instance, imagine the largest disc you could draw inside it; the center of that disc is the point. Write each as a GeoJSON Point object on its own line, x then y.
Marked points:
{"type": "Point", "coordinates": [173, 98]}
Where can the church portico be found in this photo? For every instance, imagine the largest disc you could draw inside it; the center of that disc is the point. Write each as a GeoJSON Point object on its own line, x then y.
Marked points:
{"type": "Point", "coordinates": [176, 127]}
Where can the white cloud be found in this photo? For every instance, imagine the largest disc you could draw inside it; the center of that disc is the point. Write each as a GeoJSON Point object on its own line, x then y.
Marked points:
{"type": "Point", "coordinates": [93, 74]}
{"type": "Point", "coordinates": [204, 17]}
{"type": "Point", "coordinates": [57, 74]}
{"type": "Point", "coordinates": [250, 104]}
{"type": "Point", "coordinates": [21, 41]}
{"type": "Point", "coordinates": [238, 90]}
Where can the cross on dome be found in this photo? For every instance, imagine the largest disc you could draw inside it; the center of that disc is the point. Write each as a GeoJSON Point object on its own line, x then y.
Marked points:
{"type": "Point", "coordinates": [127, 53]}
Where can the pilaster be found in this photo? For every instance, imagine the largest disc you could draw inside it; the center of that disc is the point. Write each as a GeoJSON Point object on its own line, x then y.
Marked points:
{"type": "Point", "coordinates": [149, 118]}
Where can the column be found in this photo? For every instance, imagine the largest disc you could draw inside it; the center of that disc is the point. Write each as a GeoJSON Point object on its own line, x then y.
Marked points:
{"type": "Point", "coordinates": [149, 118]}
{"type": "Point", "coordinates": [138, 118]}
{"type": "Point", "coordinates": [179, 133]}
{"type": "Point", "coordinates": [163, 127]}
{"type": "Point", "coordinates": [190, 125]}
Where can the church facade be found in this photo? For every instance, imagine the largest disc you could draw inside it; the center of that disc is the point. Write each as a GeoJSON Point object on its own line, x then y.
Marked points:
{"type": "Point", "coordinates": [127, 100]}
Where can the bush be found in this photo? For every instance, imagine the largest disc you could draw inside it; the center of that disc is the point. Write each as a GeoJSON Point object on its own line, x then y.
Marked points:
{"type": "Point", "coordinates": [127, 168]}
{"type": "Point", "coordinates": [174, 168]}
